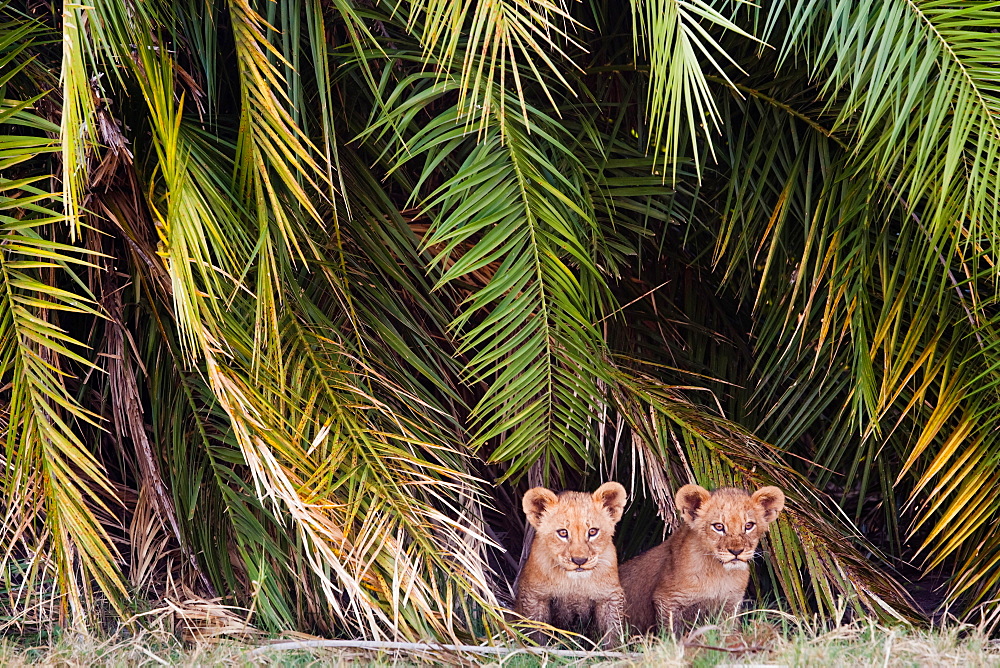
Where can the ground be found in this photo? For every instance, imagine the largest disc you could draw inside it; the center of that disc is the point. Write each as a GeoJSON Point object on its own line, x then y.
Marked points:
{"type": "Point", "coordinates": [760, 639]}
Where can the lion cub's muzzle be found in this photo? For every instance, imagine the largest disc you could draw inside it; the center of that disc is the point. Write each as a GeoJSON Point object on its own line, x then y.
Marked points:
{"type": "Point", "coordinates": [735, 558]}
{"type": "Point", "coordinates": [579, 564]}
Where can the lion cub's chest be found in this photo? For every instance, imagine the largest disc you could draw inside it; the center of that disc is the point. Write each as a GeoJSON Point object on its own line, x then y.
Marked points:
{"type": "Point", "coordinates": [572, 597]}
{"type": "Point", "coordinates": [577, 585]}
{"type": "Point", "coordinates": [707, 580]}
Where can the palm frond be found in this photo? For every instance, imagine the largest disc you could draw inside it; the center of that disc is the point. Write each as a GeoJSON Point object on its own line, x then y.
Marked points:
{"type": "Point", "coordinates": [501, 45]}
{"type": "Point", "coordinates": [811, 564]}
{"type": "Point", "coordinates": [368, 264]}
{"type": "Point", "coordinates": [674, 36]}
{"type": "Point", "coordinates": [77, 132]}
{"type": "Point", "coordinates": [511, 204]}
{"type": "Point", "coordinates": [922, 79]}
{"type": "Point", "coordinates": [53, 485]}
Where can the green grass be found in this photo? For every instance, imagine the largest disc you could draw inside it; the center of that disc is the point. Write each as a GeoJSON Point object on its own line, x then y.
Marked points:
{"type": "Point", "coordinates": [761, 639]}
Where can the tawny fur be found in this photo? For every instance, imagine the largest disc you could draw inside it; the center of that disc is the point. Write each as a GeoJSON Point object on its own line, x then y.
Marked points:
{"type": "Point", "coordinates": [699, 569]}
{"type": "Point", "coordinates": [571, 576]}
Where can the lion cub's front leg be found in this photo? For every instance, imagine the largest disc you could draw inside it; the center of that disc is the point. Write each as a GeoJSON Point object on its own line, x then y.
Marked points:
{"type": "Point", "coordinates": [609, 617]}
{"type": "Point", "coordinates": [669, 609]}
{"type": "Point", "coordinates": [537, 608]}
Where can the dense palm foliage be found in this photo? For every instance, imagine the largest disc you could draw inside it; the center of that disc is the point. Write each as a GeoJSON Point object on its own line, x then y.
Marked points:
{"type": "Point", "coordinates": [298, 297]}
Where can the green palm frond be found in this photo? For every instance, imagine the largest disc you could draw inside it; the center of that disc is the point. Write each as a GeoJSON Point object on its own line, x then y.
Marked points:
{"type": "Point", "coordinates": [886, 291]}
{"type": "Point", "coordinates": [502, 46]}
{"type": "Point", "coordinates": [270, 142]}
{"type": "Point", "coordinates": [674, 36]}
{"type": "Point", "coordinates": [511, 209]}
{"type": "Point", "coordinates": [923, 78]}
{"type": "Point", "coordinates": [77, 133]}
{"type": "Point", "coordinates": [53, 484]}
{"type": "Point", "coordinates": [313, 439]}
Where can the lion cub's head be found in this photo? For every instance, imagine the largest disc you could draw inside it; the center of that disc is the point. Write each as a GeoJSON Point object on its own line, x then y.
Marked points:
{"type": "Point", "coordinates": [574, 529]}
{"type": "Point", "coordinates": [729, 522]}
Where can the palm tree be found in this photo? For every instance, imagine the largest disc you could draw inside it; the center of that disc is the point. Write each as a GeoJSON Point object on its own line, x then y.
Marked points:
{"type": "Point", "coordinates": [299, 297]}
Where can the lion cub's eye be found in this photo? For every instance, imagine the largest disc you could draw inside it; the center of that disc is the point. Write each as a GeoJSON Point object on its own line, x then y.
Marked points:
{"type": "Point", "coordinates": [719, 526]}
{"type": "Point", "coordinates": [593, 532]}
{"type": "Point", "coordinates": [749, 526]}
{"type": "Point", "coordinates": [563, 533]}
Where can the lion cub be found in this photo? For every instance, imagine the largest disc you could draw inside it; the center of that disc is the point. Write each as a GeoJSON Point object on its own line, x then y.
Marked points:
{"type": "Point", "coordinates": [571, 575]}
{"type": "Point", "coordinates": [702, 567]}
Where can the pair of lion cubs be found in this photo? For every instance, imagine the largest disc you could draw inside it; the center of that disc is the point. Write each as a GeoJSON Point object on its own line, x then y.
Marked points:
{"type": "Point", "coordinates": [572, 573]}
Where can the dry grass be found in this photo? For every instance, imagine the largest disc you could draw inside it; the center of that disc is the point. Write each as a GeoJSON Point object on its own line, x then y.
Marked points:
{"type": "Point", "coordinates": [156, 650]}
{"type": "Point", "coordinates": [763, 639]}
{"type": "Point", "coordinates": [870, 645]}
{"type": "Point", "coordinates": [767, 639]}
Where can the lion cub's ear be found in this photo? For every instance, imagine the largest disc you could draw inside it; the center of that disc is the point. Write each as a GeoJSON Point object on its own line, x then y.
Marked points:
{"type": "Point", "coordinates": [611, 497]}
{"type": "Point", "coordinates": [536, 501]}
{"type": "Point", "coordinates": [771, 500]}
{"type": "Point", "coordinates": [689, 500]}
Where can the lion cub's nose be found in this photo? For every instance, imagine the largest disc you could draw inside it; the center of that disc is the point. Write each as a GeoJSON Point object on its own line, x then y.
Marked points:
{"type": "Point", "coordinates": [579, 561]}
{"type": "Point", "coordinates": [735, 553]}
